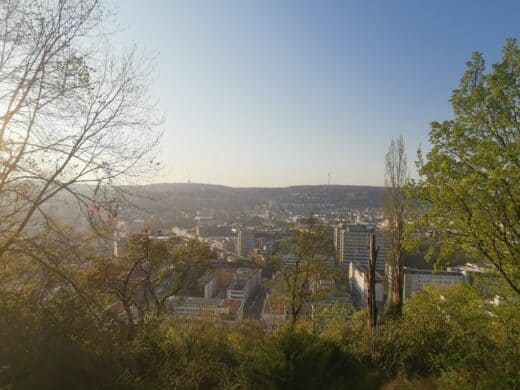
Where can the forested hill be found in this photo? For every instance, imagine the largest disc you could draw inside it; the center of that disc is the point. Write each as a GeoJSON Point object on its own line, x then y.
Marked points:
{"type": "Point", "coordinates": [194, 195]}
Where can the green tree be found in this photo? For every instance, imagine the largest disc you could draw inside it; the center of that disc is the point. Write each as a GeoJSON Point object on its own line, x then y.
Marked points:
{"type": "Point", "coordinates": [187, 355]}
{"type": "Point", "coordinates": [469, 183]}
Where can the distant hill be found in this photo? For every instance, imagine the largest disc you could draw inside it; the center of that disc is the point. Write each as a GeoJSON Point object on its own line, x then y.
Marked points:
{"type": "Point", "coordinates": [177, 203]}
{"type": "Point", "coordinates": [195, 195]}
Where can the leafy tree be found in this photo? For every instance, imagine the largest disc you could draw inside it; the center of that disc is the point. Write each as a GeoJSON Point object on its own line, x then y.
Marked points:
{"type": "Point", "coordinates": [469, 184]}
{"type": "Point", "coordinates": [193, 355]}
{"type": "Point", "coordinates": [451, 333]}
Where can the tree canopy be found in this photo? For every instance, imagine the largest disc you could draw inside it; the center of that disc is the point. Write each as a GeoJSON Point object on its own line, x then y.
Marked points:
{"type": "Point", "coordinates": [469, 182]}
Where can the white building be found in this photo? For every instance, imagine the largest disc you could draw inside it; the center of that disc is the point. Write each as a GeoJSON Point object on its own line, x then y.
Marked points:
{"type": "Point", "coordinates": [224, 294]}
{"type": "Point", "coordinates": [415, 279]}
{"type": "Point", "coordinates": [358, 280]}
{"type": "Point", "coordinates": [245, 282]}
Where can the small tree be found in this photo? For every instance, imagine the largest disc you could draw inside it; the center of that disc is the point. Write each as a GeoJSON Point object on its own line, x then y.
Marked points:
{"type": "Point", "coordinates": [140, 282]}
{"type": "Point", "coordinates": [470, 182]}
{"type": "Point", "coordinates": [311, 247]}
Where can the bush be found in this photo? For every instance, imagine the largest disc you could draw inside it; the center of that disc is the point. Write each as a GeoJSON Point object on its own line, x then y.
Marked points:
{"type": "Point", "coordinates": [296, 359]}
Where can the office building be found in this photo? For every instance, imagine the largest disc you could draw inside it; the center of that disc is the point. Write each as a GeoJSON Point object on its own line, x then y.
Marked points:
{"type": "Point", "coordinates": [245, 242]}
{"type": "Point", "coordinates": [353, 246]}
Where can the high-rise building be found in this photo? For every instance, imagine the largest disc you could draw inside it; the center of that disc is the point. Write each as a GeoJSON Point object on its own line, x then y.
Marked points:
{"type": "Point", "coordinates": [245, 242]}
{"type": "Point", "coordinates": [337, 238]}
{"type": "Point", "coordinates": [353, 246]}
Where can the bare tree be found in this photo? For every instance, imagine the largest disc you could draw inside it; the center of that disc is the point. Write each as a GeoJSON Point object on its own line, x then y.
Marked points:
{"type": "Point", "coordinates": [310, 247]}
{"type": "Point", "coordinates": [140, 282]}
{"type": "Point", "coordinates": [72, 115]}
{"type": "Point", "coordinates": [396, 178]}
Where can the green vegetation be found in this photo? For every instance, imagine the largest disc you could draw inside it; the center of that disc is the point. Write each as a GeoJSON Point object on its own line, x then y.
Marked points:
{"type": "Point", "coordinates": [448, 338]}
{"type": "Point", "coordinates": [470, 181]}
{"type": "Point", "coordinates": [310, 247]}
{"type": "Point", "coordinates": [74, 316]}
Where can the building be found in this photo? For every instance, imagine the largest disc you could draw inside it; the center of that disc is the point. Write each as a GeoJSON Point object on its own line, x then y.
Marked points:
{"type": "Point", "coordinates": [484, 277]}
{"type": "Point", "coordinates": [245, 242]}
{"type": "Point", "coordinates": [199, 307]}
{"type": "Point", "coordinates": [353, 246]}
{"type": "Point", "coordinates": [245, 282]}
{"type": "Point", "coordinates": [358, 280]}
{"type": "Point", "coordinates": [290, 260]}
{"type": "Point", "coordinates": [222, 294]}
{"type": "Point", "coordinates": [415, 279]}
{"type": "Point", "coordinates": [213, 232]}
{"type": "Point", "coordinates": [273, 313]}
{"type": "Point", "coordinates": [227, 244]}
{"type": "Point", "coordinates": [338, 231]}
{"type": "Point", "coordinates": [201, 220]}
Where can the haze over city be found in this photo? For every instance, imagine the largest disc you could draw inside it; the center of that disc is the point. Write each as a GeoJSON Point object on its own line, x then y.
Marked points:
{"type": "Point", "coordinates": [278, 93]}
{"type": "Point", "coordinates": [243, 194]}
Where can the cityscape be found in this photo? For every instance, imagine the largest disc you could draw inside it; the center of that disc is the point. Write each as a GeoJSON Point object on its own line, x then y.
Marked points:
{"type": "Point", "coordinates": [259, 195]}
{"type": "Point", "coordinates": [232, 287]}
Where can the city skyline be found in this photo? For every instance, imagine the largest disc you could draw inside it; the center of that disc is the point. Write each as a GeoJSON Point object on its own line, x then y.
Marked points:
{"type": "Point", "coordinates": [299, 89]}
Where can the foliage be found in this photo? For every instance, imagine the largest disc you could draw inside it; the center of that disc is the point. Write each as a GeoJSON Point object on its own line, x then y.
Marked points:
{"type": "Point", "coordinates": [444, 333]}
{"type": "Point", "coordinates": [296, 359]}
{"type": "Point", "coordinates": [75, 119]}
{"type": "Point", "coordinates": [469, 183]}
{"type": "Point", "coordinates": [182, 355]}
{"type": "Point", "coordinates": [56, 345]}
{"type": "Point", "coordinates": [451, 338]}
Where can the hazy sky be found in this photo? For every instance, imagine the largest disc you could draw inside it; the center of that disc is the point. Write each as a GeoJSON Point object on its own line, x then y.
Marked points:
{"type": "Point", "coordinates": [276, 93]}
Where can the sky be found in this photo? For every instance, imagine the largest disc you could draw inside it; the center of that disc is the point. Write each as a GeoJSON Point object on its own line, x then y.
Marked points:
{"type": "Point", "coordinates": [277, 93]}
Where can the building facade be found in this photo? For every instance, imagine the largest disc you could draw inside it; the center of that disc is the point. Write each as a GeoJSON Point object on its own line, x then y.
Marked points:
{"type": "Point", "coordinates": [353, 246]}
{"type": "Point", "coordinates": [358, 280]}
{"type": "Point", "coordinates": [415, 279]}
{"type": "Point", "coordinates": [245, 242]}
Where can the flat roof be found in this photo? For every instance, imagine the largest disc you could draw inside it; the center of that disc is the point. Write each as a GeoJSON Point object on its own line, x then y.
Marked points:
{"type": "Point", "coordinates": [416, 271]}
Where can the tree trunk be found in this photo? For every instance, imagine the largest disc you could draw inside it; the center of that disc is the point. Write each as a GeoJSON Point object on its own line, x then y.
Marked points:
{"type": "Point", "coordinates": [371, 299]}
